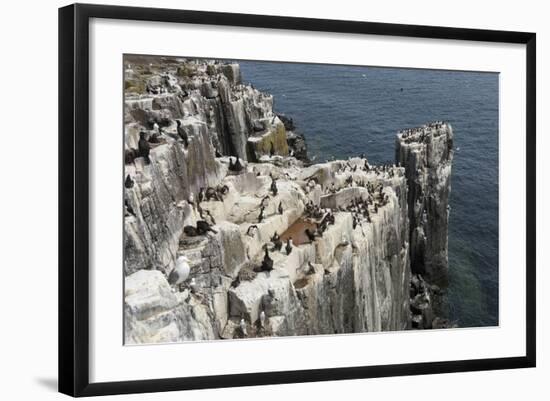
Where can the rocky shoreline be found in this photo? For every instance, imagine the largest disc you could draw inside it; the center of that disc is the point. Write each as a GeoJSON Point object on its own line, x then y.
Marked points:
{"type": "Point", "coordinates": [216, 178]}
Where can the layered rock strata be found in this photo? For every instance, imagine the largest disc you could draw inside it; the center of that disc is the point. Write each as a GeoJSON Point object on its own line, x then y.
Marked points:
{"type": "Point", "coordinates": [427, 154]}
{"type": "Point", "coordinates": [354, 275]}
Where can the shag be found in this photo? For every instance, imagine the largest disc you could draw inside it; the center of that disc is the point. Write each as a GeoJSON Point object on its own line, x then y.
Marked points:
{"type": "Point", "coordinates": [288, 246]}
{"type": "Point", "coordinates": [202, 192]}
{"type": "Point", "coordinates": [238, 166]}
{"type": "Point", "coordinates": [129, 208]}
{"type": "Point", "coordinates": [242, 325]}
{"type": "Point", "coordinates": [277, 243]}
{"type": "Point", "coordinates": [311, 269]}
{"type": "Point", "coordinates": [310, 235]}
{"type": "Point", "coordinates": [267, 263]}
{"type": "Point", "coordinates": [281, 208]}
{"type": "Point", "coordinates": [274, 189]}
{"type": "Point", "coordinates": [128, 183]}
{"type": "Point", "coordinates": [190, 231]}
{"type": "Point", "coordinates": [203, 227]}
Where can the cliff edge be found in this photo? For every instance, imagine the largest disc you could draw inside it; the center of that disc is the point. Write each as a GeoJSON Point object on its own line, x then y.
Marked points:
{"type": "Point", "coordinates": [221, 187]}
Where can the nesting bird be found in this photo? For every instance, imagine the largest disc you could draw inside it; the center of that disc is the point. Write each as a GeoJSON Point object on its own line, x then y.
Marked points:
{"type": "Point", "coordinates": [128, 183]}
{"type": "Point", "coordinates": [180, 272]}
{"type": "Point", "coordinates": [237, 167]}
{"type": "Point", "coordinates": [242, 325]}
{"type": "Point", "coordinates": [310, 235]}
{"type": "Point", "coordinates": [129, 211]}
{"type": "Point", "coordinates": [311, 269]}
{"type": "Point", "coordinates": [288, 247]}
{"type": "Point", "coordinates": [203, 227]}
{"type": "Point", "coordinates": [262, 319]}
{"type": "Point", "coordinates": [202, 194]}
{"type": "Point", "coordinates": [277, 243]}
{"type": "Point", "coordinates": [273, 188]}
{"type": "Point", "coordinates": [267, 263]}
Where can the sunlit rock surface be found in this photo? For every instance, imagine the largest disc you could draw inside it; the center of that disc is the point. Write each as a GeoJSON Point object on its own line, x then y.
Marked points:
{"type": "Point", "coordinates": [427, 155]}
{"type": "Point", "coordinates": [356, 277]}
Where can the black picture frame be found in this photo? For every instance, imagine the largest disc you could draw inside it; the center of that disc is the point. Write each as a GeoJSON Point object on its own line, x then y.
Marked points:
{"type": "Point", "coordinates": [74, 198]}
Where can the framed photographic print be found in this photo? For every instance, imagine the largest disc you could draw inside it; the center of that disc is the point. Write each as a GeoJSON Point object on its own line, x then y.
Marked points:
{"type": "Point", "coordinates": [250, 199]}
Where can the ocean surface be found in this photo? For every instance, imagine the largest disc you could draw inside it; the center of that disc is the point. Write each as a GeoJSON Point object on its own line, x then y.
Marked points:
{"type": "Point", "coordinates": [345, 111]}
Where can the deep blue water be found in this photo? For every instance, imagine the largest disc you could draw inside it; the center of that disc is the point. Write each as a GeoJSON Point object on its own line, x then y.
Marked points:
{"type": "Point", "coordinates": [345, 111]}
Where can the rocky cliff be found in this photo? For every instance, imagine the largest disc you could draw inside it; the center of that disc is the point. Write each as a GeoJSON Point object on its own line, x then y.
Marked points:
{"type": "Point", "coordinates": [427, 154]}
{"type": "Point", "coordinates": [255, 272]}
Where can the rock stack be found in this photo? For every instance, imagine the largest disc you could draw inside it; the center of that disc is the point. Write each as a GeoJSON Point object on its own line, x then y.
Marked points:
{"type": "Point", "coordinates": [427, 154]}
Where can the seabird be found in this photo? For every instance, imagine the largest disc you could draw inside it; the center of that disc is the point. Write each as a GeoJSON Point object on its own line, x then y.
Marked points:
{"type": "Point", "coordinates": [190, 231]}
{"type": "Point", "coordinates": [157, 127]}
{"type": "Point", "coordinates": [128, 183]}
{"type": "Point", "coordinates": [310, 235]}
{"type": "Point", "coordinates": [262, 319]}
{"type": "Point", "coordinates": [238, 166]}
{"type": "Point", "coordinates": [129, 208]}
{"type": "Point", "coordinates": [203, 227]}
{"type": "Point", "coordinates": [213, 193]}
{"type": "Point", "coordinates": [277, 243]}
{"type": "Point", "coordinates": [202, 192]}
{"type": "Point", "coordinates": [180, 272]}
{"type": "Point", "coordinates": [208, 217]}
{"type": "Point", "coordinates": [288, 247]}
{"type": "Point", "coordinates": [249, 232]}
{"type": "Point", "coordinates": [311, 269]}
{"type": "Point", "coordinates": [267, 263]}
{"type": "Point", "coordinates": [274, 187]}
{"type": "Point", "coordinates": [242, 325]}
{"type": "Point", "coordinates": [280, 207]}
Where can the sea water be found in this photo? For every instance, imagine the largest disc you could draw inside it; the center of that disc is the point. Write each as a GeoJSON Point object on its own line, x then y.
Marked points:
{"type": "Point", "coordinates": [348, 110]}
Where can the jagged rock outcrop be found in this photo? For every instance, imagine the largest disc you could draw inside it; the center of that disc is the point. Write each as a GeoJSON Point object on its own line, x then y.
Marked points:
{"type": "Point", "coordinates": [427, 155]}
{"type": "Point", "coordinates": [354, 274]}
{"type": "Point", "coordinates": [155, 314]}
